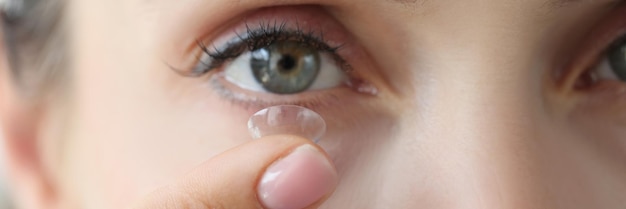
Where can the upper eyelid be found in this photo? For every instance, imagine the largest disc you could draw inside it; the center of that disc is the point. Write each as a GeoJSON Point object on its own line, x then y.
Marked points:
{"type": "Point", "coordinates": [609, 29]}
{"type": "Point", "coordinates": [273, 33]}
{"type": "Point", "coordinates": [216, 31]}
{"type": "Point", "coordinates": [352, 57]}
{"type": "Point", "coordinates": [262, 35]}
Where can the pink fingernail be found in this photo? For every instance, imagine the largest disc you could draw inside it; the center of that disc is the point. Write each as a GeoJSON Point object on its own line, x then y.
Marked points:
{"type": "Point", "coordinates": [298, 180]}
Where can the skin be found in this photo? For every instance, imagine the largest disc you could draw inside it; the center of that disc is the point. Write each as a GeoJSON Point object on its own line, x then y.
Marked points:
{"type": "Point", "coordinates": [476, 108]}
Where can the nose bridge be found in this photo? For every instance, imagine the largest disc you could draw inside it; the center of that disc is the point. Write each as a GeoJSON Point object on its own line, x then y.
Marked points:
{"type": "Point", "coordinates": [480, 135]}
{"type": "Point", "coordinates": [477, 137]}
{"type": "Point", "coordinates": [482, 93]}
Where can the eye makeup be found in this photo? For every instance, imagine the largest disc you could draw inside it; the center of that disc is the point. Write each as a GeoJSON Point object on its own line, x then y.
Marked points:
{"type": "Point", "coordinates": [297, 27]}
{"type": "Point", "coordinates": [581, 74]}
{"type": "Point", "coordinates": [256, 38]}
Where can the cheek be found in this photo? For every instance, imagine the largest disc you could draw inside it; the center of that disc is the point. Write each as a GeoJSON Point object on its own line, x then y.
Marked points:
{"type": "Point", "coordinates": [120, 151]}
{"type": "Point", "coordinates": [356, 139]}
{"type": "Point", "coordinates": [590, 150]}
{"type": "Point", "coordinates": [601, 117]}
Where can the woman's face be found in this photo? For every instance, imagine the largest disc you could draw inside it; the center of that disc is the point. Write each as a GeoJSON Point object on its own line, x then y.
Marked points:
{"type": "Point", "coordinates": [429, 104]}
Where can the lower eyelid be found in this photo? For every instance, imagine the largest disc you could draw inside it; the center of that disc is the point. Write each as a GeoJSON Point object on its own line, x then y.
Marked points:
{"type": "Point", "coordinates": [257, 100]}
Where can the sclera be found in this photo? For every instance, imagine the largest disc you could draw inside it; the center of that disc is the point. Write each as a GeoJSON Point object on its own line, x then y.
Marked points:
{"type": "Point", "coordinates": [287, 119]}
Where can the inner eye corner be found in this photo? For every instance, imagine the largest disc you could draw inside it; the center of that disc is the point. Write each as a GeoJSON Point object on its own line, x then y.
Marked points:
{"type": "Point", "coordinates": [597, 68]}
{"type": "Point", "coordinates": [585, 80]}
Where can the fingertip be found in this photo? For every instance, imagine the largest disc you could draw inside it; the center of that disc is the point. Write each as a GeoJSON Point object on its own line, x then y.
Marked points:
{"type": "Point", "coordinates": [298, 180]}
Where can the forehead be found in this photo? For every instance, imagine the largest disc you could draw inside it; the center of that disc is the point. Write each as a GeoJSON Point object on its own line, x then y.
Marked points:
{"type": "Point", "coordinates": [385, 8]}
{"type": "Point", "coordinates": [395, 10]}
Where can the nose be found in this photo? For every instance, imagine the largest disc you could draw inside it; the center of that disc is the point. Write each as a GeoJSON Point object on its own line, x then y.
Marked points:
{"type": "Point", "coordinates": [476, 142]}
{"type": "Point", "coordinates": [472, 138]}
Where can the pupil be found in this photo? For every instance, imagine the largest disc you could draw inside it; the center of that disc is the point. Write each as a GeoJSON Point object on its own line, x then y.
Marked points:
{"type": "Point", "coordinates": [287, 63]}
{"type": "Point", "coordinates": [285, 67]}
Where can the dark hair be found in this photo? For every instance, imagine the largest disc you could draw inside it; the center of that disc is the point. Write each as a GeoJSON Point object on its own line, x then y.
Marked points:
{"type": "Point", "coordinates": [35, 44]}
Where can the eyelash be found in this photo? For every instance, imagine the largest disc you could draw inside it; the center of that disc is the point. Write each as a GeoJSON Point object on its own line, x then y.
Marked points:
{"type": "Point", "coordinates": [262, 36]}
{"type": "Point", "coordinates": [617, 41]}
{"type": "Point", "coordinates": [583, 67]}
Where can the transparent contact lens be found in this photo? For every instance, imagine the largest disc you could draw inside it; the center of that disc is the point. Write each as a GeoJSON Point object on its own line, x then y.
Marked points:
{"type": "Point", "coordinates": [287, 119]}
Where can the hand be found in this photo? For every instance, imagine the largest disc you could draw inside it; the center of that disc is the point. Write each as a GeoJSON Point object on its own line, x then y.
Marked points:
{"type": "Point", "coordinates": [276, 172]}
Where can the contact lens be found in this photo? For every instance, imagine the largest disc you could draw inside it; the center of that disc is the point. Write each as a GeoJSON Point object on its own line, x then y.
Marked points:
{"type": "Point", "coordinates": [287, 119]}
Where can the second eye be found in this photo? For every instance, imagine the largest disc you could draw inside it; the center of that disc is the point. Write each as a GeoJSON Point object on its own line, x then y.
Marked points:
{"type": "Point", "coordinates": [613, 63]}
{"type": "Point", "coordinates": [285, 67]}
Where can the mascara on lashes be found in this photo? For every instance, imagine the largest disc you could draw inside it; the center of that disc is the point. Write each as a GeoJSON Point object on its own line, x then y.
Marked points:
{"type": "Point", "coordinates": [257, 38]}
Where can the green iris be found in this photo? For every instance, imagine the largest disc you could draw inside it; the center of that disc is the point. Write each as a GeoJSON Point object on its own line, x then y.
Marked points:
{"type": "Point", "coordinates": [617, 59]}
{"type": "Point", "coordinates": [285, 67]}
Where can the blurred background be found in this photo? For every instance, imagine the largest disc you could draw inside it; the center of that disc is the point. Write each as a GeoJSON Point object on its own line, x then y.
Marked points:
{"type": "Point", "coordinates": [23, 12]}
{"type": "Point", "coordinates": [4, 200]}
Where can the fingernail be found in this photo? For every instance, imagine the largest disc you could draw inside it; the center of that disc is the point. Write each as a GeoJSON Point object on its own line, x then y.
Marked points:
{"type": "Point", "coordinates": [298, 180]}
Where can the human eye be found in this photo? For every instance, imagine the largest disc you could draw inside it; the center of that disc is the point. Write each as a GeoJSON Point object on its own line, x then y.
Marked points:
{"type": "Point", "coordinates": [293, 55]}
{"type": "Point", "coordinates": [274, 59]}
{"type": "Point", "coordinates": [594, 83]}
{"type": "Point", "coordinates": [601, 65]}
{"type": "Point", "coordinates": [612, 64]}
